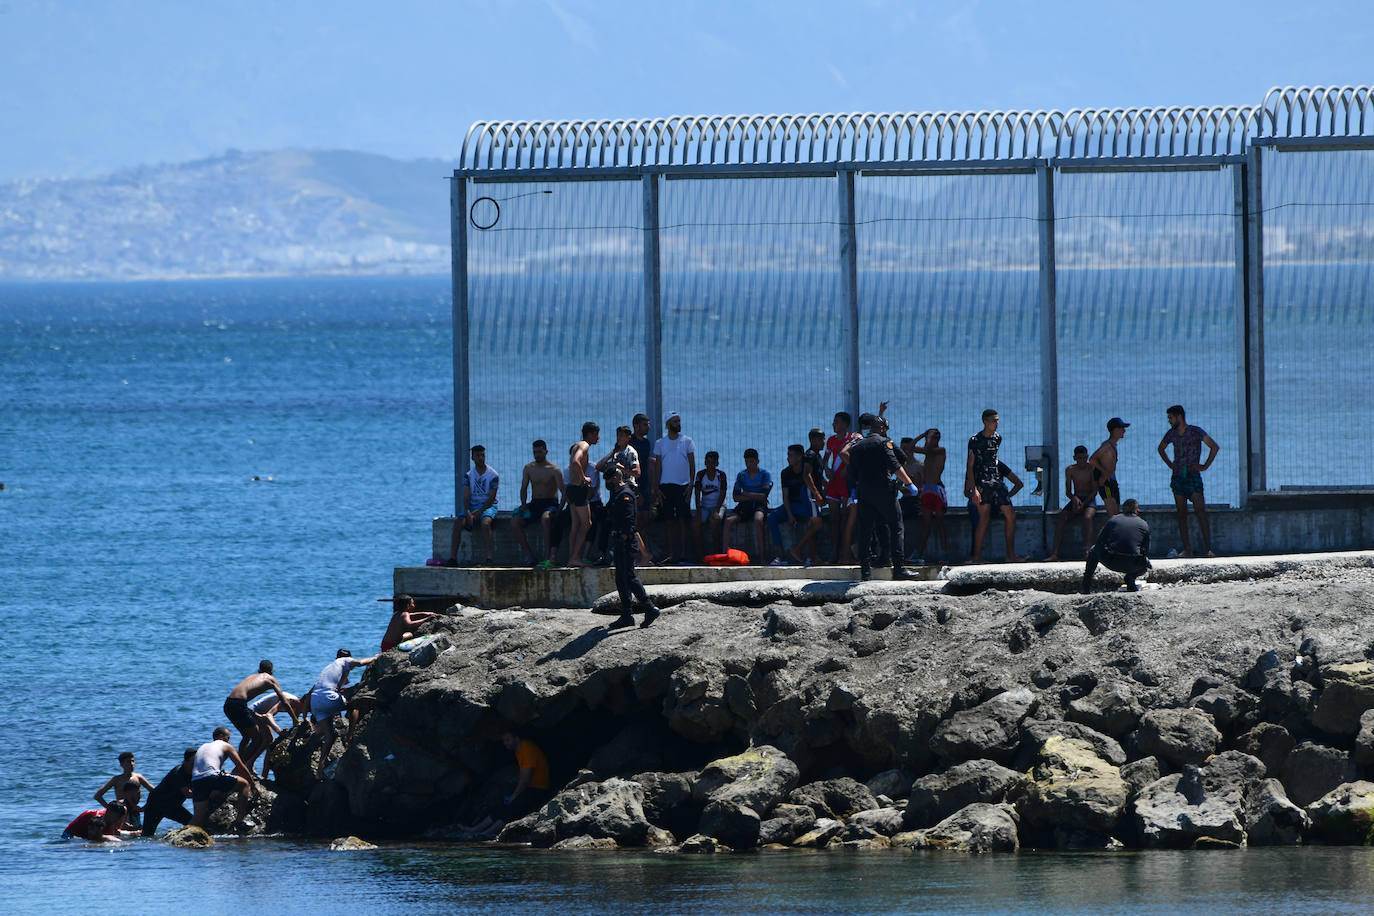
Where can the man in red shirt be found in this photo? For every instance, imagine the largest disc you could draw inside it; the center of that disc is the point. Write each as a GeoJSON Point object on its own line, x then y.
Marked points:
{"type": "Point", "coordinates": [98, 825]}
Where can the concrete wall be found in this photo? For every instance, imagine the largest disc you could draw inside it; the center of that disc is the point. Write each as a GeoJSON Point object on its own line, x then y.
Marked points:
{"type": "Point", "coordinates": [1272, 523]}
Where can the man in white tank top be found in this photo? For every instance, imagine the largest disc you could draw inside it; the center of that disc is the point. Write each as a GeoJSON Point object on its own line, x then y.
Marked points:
{"type": "Point", "coordinates": [210, 785]}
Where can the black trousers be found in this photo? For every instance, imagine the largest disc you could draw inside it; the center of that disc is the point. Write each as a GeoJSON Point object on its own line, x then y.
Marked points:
{"type": "Point", "coordinates": [626, 579]}
{"type": "Point", "coordinates": [880, 512]}
{"type": "Point", "coordinates": [155, 810]}
{"type": "Point", "coordinates": [1128, 566]}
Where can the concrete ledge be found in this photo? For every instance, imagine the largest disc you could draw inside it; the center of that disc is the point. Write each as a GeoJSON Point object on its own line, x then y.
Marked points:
{"type": "Point", "coordinates": [757, 586]}
{"type": "Point", "coordinates": [503, 587]}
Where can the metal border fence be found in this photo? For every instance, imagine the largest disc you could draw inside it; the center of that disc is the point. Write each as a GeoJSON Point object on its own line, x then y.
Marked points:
{"type": "Point", "coordinates": [1042, 144]}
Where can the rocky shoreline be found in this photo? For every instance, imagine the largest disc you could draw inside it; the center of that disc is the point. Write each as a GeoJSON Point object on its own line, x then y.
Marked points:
{"type": "Point", "coordinates": [1213, 715]}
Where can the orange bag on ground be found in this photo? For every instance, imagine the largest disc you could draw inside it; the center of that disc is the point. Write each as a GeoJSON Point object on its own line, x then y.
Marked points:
{"type": "Point", "coordinates": [732, 557]}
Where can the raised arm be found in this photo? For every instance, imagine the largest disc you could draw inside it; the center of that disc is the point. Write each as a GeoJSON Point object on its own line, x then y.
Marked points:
{"type": "Point", "coordinates": [283, 702]}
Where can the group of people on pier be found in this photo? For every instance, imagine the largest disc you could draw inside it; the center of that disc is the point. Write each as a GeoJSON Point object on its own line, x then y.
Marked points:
{"type": "Point", "coordinates": [826, 482]}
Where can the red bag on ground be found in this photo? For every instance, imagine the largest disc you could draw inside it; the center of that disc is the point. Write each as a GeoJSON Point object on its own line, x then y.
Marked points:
{"type": "Point", "coordinates": [732, 557]}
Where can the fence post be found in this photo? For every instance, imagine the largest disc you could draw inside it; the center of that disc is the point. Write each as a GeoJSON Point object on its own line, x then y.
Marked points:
{"type": "Point", "coordinates": [1049, 341]}
{"type": "Point", "coordinates": [1238, 182]}
{"type": "Point", "coordinates": [1257, 476]}
{"type": "Point", "coordinates": [458, 234]}
{"type": "Point", "coordinates": [849, 286]}
{"type": "Point", "coordinates": [653, 305]}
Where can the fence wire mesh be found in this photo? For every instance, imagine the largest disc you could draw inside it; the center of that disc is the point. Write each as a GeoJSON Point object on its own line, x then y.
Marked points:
{"type": "Point", "coordinates": [1147, 318]}
{"type": "Point", "coordinates": [1318, 317]}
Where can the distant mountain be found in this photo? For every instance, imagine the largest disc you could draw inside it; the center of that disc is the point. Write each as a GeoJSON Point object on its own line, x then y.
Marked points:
{"type": "Point", "coordinates": [282, 213]}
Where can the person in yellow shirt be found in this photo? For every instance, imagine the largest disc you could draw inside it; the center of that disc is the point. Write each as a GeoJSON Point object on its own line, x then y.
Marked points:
{"type": "Point", "coordinates": [532, 788]}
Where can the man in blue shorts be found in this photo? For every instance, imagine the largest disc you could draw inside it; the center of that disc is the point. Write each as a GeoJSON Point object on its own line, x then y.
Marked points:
{"type": "Point", "coordinates": [480, 484]}
{"type": "Point", "coordinates": [1187, 467]}
{"type": "Point", "coordinates": [327, 700]}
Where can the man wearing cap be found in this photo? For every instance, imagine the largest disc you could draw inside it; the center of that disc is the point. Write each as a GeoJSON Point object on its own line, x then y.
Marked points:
{"type": "Point", "coordinates": [1103, 463]}
{"type": "Point", "coordinates": [674, 470]}
{"type": "Point", "coordinates": [873, 461]}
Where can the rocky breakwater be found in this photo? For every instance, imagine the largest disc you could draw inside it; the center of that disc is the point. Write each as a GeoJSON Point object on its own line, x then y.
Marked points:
{"type": "Point", "coordinates": [1209, 715]}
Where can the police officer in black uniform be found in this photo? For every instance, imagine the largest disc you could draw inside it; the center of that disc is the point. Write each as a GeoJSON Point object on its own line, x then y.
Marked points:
{"type": "Point", "coordinates": [873, 461]}
{"type": "Point", "coordinates": [620, 517]}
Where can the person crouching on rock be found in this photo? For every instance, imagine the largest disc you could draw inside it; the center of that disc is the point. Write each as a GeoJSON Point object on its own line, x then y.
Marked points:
{"type": "Point", "coordinates": [532, 786]}
{"type": "Point", "coordinates": [620, 516]}
{"type": "Point", "coordinates": [1122, 546]}
{"type": "Point", "coordinates": [210, 785]}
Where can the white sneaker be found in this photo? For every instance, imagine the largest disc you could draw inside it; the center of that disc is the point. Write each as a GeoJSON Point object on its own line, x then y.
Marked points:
{"type": "Point", "coordinates": [778, 562]}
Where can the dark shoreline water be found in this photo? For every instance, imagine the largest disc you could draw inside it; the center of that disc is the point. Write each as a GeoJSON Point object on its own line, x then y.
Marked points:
{"type": "Point", "coordinates": [286, 877]}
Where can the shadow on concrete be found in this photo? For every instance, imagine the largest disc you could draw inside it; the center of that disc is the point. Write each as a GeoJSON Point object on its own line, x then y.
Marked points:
{"type": "Point", "coordinates": [578, 647]}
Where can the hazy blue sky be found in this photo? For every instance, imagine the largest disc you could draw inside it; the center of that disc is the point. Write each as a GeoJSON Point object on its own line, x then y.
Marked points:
{"type": "Point", "coordinates": [88, 87]}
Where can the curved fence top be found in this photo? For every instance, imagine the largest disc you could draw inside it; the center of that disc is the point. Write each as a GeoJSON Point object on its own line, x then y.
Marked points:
{"type": "Point", "coordinates": [919, 137]}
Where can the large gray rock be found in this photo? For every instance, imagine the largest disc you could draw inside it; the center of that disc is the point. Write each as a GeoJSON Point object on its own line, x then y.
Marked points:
{"type": "Point", "coordinates": [834, 797]}
{"type": "Point", "coordinates": [1271, 819]}
{"type": "Point", "coordinates": [1202, 804]}
{"type": "Point", "coordinates": [1227, 704]}
{"type": "Point", "coordinates": [1073, 799]}
{"type": "Point", "coordinates": [188, 838]}
{"type": "Point", "coordinates": [758, 779]}
{"type": "Point", "coordinates": [883, 821]}
{"type": "Point", "coordinates": [1111, 708]}
{"type": "Point", "coordinates": [938, 795]}
{"type": "Point", "coordinates": [667, 796]}
{"type": "Point", "coordinates": [1180, 736]}
{"type": "Point", "coordinates": [1035, 732]}
{"type": "Point", "coordinates": [892, 783]}
{"type": "Point", "coordinates": [787, 823]}
{"type": "Point", "coordinates": [732, 823]}
{"type": "Point", "coordinates": [224, 818]}
{"type": "Point", "coordinates": [1270, 743]}
{"type": "Point", "coordinates": [976, 828]}
{"type": "Point", "coordinates": [821, 834]}
{"type": "Point", "coordinates": [1364, 740]}
{"type": "Point", "coordinates": [1345, 815]}
{"type": "Point", "coordinates": [613, 809]}
{"type": "Point", "coordinates": [990, 730]}
{"type": "Point", "coordinates": [1140, 773]}
{"type": "Point", "coordinates": [1311, 770]}
{"type": "Point", "coordinates": [1347, 691]}
{"type": "Point", "coordinates": [1168, 819]}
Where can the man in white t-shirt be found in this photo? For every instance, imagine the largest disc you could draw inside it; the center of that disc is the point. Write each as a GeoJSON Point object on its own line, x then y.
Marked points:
{"type": "Point", "coordinates": [674, 471]}
{"type": "Point", "coordinates": [480, 484]}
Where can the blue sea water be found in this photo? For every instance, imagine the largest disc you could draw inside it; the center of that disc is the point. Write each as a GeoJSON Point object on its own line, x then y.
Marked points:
{"type": "Point", "coordinates": [145, 571]}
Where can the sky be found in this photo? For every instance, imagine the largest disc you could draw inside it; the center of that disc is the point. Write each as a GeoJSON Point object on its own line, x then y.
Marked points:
{"type": "Point", "coordinates": [87, 88]}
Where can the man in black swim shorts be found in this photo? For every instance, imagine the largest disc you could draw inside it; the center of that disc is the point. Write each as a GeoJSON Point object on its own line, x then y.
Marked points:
{"type": "Point", "coordinates": [983, 485]}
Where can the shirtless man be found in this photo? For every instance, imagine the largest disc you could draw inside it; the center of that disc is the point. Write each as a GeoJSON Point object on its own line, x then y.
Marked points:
{"type": "Point", "coordinates": [210, 784]}
{"type": "Point", "coordinates": [541, 490]}
{"type": "Point", "coordinates": [1103, 464]}
{"type": "Point", "coordinates": [579, 492]}
{"type": "Point", "coordinates": [934, 502]}
{"type": "Point", "coordinates": [236, 706]}
{"type": "Point", "coordinates": [1080, 483]}
{"type": "Point", "coordinates": [127, 786]}
{"type": "Point", "coordinates": [404, 620]}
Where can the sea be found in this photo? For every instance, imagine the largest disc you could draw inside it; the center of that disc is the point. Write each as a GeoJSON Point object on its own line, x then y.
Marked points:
{"type": "Point", "coordinates": [201, 474]}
